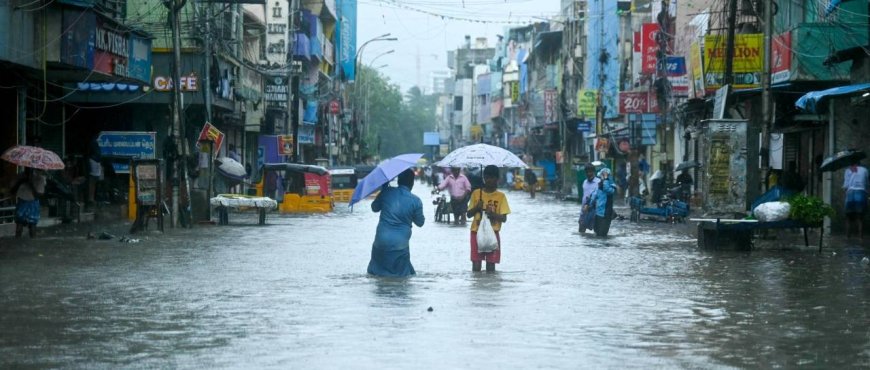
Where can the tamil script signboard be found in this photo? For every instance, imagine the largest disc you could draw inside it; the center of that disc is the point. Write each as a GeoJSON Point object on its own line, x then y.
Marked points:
{"type": "Point", "coordinates": [126, 144]}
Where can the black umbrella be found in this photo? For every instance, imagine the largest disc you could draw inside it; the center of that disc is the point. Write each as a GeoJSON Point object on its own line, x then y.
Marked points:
{"type": "Point", "coordinates": [686, 165]}
{"type": "Point", "coordinates": [842, 159]}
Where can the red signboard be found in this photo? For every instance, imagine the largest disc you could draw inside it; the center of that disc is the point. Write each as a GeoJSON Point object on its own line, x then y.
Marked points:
{"type": "Point", "coordinates": [649, 47]}
{"type": "Point", "coordinates": [211, 133]}
{"type": "Point", "coordinates": [780, 61]}
{"type": "Point", "coordinates": [633, 102]}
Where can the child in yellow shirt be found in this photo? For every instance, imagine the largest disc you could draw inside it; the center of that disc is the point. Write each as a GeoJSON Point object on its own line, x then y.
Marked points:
{"type": "Point", "coordinates": [492, 203]}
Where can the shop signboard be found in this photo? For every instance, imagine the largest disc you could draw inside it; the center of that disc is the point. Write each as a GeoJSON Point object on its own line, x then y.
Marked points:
{"type": "Point", "coordinates": [285, 144]}
{"type": "Point", "coordinates": [126, 144]}
{"type": "Point", "coordinates": [633, 102]}
{"type": "Point", "coordinates": [780, 59]}
{"type": "Point", "coordinates": [697, 68]}
{"type": "Point", "coordinates": [746, 63]}
{"type": "Point", "coordinates": [209, 133]}
{"type": "Point", "coordinates": [649, 47]}
{"type": "Point", "coordinates": [587, 100]}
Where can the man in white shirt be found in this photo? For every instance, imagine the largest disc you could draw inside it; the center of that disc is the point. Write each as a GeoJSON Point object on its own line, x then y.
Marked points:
{"type": "Point", "coordinates": [855, 185]}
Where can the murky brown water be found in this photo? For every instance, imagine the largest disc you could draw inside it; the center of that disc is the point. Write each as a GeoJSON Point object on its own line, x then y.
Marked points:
{"type": "Point", "coordinates": [294, 294]}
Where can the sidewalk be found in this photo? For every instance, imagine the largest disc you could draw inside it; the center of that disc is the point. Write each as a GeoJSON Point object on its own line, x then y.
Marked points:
{"type": "Point", "coordinates": [104, 214]}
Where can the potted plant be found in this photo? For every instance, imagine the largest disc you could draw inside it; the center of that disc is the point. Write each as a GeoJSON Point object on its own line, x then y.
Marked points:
{"type": "Point", "coordinates": [809, 210]}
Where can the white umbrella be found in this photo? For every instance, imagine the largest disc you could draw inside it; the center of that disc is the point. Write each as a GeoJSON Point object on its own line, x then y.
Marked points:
{"type": "Point", "coordinates": [481, 155]}
{"type": "Point", "coordinates": [231, 169]}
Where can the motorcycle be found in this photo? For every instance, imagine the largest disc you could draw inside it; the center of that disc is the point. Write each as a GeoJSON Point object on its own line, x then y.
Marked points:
{"type": "Point", "coordinates": [442, 208]}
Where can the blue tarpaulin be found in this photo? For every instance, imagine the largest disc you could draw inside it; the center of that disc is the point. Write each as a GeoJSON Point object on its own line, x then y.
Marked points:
{"type": "Point", "coordinates": [813, 102]}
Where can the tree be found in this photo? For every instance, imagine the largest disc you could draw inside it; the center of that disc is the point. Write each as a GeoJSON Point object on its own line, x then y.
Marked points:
{"type": "Point", "coordinates": [396, 125]}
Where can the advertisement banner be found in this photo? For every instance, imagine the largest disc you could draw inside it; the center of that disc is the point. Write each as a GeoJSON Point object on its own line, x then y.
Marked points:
{"type": "Point", "coordinates": [587, 100]}
{"type": "Point", "coordinates": [780, 61]}
{"type": "Point", "coordinates": [130, 144]}
{"type": "Point", "coordinates": [346, 40]}
{"type": "Point", "coordinates": [211, 133]}
{"type": "Point", "coordinates": [603, 55]}
{"type": "Point", "coordinates": [306, 134]}
{"type": "Point", "coordinates": [285, 144]}
{"type": "Point", "coordinates": [676, 68]}
{"type": "Point", "coordinates": [633, 102]}
{"type": "Point", "coordinates": [277, 91]}
{"type": "Point", "coordinates": [697, 69]}
{"type": "Point", "coordinates": [139, 62]}
{"type": "Point", "coordinates": [746, 65]}
{"type": "Point", "coordinates": [550, 114]}
{"type": "Point", "coordinates": [649, 47]}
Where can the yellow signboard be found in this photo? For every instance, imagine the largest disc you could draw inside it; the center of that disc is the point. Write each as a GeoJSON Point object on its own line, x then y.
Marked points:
{"type": "Point", "coordinates": [587, 100]}
{"type": "Point", "coordinates": [696, 66]}
{"type": "Point", "coordinates": [746, 65]}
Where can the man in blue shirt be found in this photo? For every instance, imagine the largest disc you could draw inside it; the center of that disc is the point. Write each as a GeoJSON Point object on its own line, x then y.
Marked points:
{"type": "Point", "coordinates": [391, 255]}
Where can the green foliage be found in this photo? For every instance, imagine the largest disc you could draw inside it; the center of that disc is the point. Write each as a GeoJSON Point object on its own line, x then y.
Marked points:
{"type": "Point", "coordinates": [809, 209]}
{"type": "Point", "coordinates": [396, 122]}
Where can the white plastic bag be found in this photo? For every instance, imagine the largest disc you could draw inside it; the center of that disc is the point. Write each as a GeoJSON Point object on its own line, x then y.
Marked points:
{"type": "Point", "coordinates": [486, 239]}
{"type": "Point", "coordinates": [772, 211]}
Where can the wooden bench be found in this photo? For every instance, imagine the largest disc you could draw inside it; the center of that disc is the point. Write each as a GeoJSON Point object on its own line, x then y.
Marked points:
{"type": "Point", "coordinates": [719, 233]}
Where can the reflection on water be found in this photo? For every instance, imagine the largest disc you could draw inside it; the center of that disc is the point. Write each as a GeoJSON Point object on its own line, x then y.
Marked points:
{"type": "Point", "coordinates": [294, 294]}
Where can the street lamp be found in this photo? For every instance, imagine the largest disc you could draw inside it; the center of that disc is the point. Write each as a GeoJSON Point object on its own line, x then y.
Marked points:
{"type": "Point", "coordinates": [357, 58]}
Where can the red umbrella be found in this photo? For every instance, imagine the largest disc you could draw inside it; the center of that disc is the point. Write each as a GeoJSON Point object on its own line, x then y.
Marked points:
{"type": "Point", "coordinates": [33, 157]}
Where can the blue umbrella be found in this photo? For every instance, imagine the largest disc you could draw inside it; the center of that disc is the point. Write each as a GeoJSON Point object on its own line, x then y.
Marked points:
{"type": "Point", "coordinates": [382, 174]}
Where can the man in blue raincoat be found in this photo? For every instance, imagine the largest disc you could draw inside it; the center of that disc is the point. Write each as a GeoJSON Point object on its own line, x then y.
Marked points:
{"type": "Point", "coordinates": [604, 203]}
{"type": "Point", "coordinates": [391, 255]}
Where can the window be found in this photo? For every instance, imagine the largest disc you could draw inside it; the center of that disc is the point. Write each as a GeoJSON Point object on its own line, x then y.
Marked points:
{"type": "Point", "coordinates": [457, 103]}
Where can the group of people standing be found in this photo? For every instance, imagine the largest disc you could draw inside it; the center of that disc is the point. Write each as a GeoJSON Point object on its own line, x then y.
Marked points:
{"type": "Point", "coordinates": [400, 209]}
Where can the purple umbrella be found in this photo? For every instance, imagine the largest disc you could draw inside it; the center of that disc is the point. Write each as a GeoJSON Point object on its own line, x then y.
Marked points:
{"type": "Point", "coordinates": [382, 174]}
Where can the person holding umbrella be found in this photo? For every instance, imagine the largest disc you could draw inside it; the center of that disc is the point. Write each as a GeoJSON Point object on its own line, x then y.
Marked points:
{"type": "Point", "coordinates": [28, 188]}
{"type": "Point", "coordinates": [399, 208]}
{"type": "Point", "coordinates": [491, 203]}
{"type": "Point", "coordinates": [855, 184]}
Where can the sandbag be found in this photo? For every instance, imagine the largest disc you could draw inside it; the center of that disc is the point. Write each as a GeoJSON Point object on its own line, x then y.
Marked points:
{"type": "Point", "coordinates": [772, 211]}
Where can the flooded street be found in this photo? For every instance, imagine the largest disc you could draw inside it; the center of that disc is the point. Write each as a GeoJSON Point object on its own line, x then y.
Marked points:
{"type": "Point", "coordinates": [294, 294]}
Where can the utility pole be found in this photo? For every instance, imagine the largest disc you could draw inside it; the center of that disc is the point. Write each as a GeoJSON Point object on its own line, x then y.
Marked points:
{"type": "Point", "coordinates": [729, 43]}
{"type": "Point", "coordinates": [175, 7]}
{"type": "Point", "coordinates": [766, 94]}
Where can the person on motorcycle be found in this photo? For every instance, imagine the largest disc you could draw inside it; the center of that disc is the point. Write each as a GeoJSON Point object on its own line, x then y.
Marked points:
{"type": "Point", "coordinates": [685, 182]}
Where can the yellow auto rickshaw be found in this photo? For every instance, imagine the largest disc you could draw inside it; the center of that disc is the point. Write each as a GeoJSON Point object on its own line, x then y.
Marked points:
{"type": "Point", "coordinates": [344, 181]}
{"type": "Point", "coordinates": [298, 188]}
{"type": "Point", "coordinates": [520, 179]}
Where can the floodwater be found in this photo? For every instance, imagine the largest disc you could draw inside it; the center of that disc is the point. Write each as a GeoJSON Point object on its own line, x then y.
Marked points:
{"type": "Point", "coordinates": [294, 294]}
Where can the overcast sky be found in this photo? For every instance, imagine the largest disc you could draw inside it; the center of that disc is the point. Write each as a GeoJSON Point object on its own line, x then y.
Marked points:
{"type": "Point", "coordinates": [428, 28]}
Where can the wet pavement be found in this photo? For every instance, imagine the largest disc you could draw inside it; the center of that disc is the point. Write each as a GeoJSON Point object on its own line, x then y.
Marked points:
{"type": "Point", "coordinates": [294, 294]}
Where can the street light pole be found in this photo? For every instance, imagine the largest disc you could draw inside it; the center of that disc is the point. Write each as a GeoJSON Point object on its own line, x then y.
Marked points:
{"type": "Point", "coordinates": [357, 58]}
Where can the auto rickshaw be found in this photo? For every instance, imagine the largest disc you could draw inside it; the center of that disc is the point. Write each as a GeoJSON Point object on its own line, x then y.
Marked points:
{"type": "Point", "coordinates": [520, 179]}
{"type": "Point", "coordinates": [344, 181]}
{"type": "Point", "coordinates": [298, 188]}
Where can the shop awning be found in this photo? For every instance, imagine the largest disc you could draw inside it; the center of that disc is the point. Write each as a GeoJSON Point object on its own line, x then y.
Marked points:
{"type": "Point", "coordinates": [814, 101]}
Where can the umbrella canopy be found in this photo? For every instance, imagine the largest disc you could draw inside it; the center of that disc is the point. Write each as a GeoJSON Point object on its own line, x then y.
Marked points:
{"type": "Point", "coordinates": [231, 169]}
{"type": "Point", "coordinates": [33, 157]}
{"type": "Point", "coordinates": [686, 165]}
{"type": "Point", "coordinates": [842, 160]}
{"type": "Point", "coordinates": [382, 174]}
{"type": "Point", "coordinates": [481, 155]}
